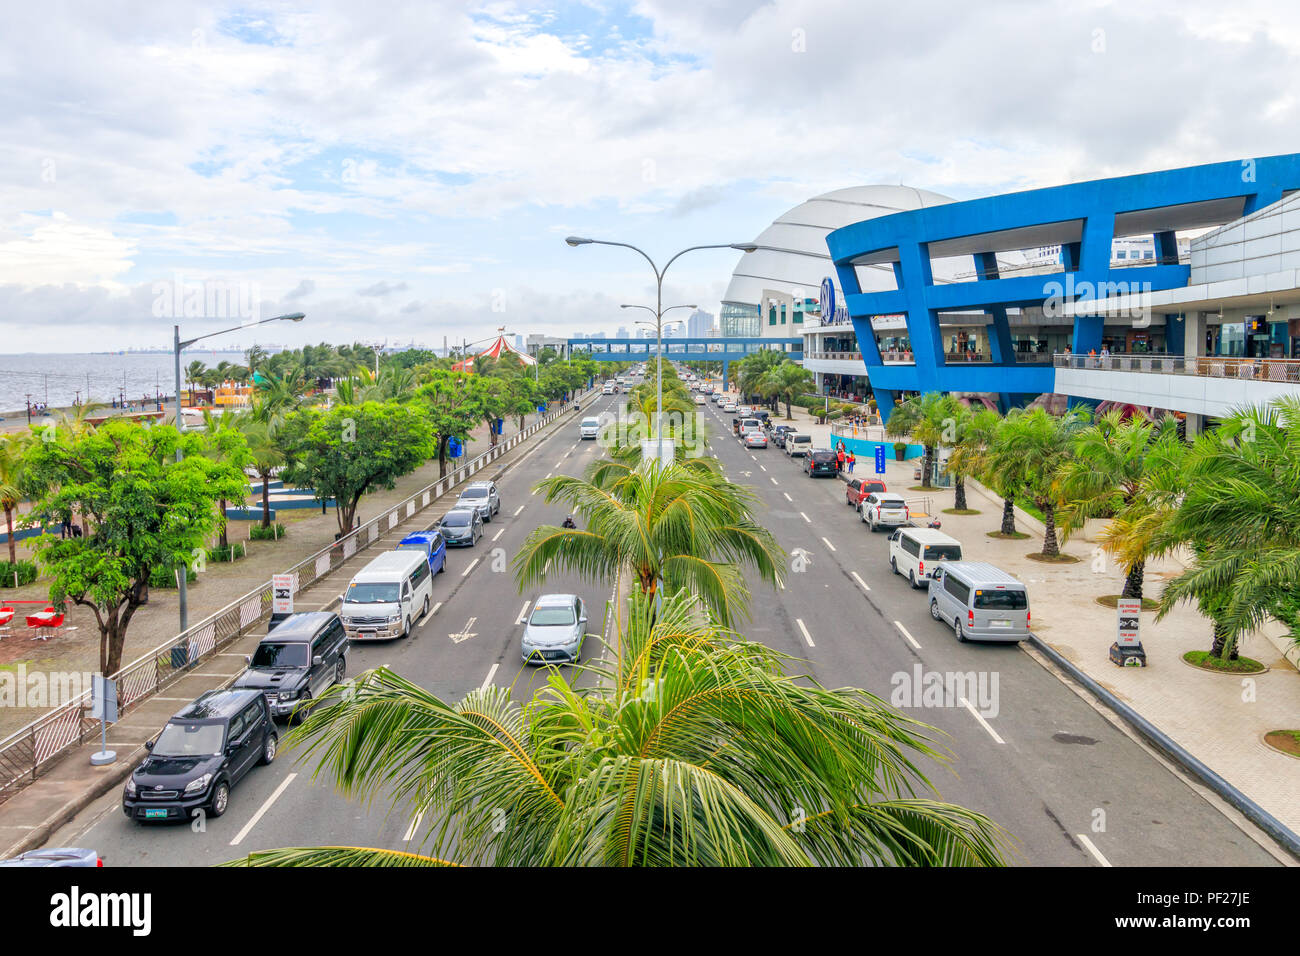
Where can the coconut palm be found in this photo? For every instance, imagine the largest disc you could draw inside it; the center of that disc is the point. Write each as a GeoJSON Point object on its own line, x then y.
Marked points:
{"type": "Point", "coordinates": [13, 452]}
{"type": "Point", "coordinates": [973, 434]}
{"type": "Point", "coordinates": [194, 375]}
{"type": "Point", "coordinates": [667, 526]}
{"type": "Point", "coordinates": [266, 456]}
{"type": "Point", "coordinates": [697, 750]}
{"type": "Point", "coordinates": [224, 442]}
{"type": "Point", "coordinates": [1042, 444]}
{"type": "Point", "coordinates": [1116, 472]}
{"type": "Point", "coordinates": [786, 382]}
{"type": "Point", "coordinates": [930, 420]}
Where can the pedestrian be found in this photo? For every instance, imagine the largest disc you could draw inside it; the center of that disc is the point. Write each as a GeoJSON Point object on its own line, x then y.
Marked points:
{"type": "Point", "coordinates": [852, 461]}
{"type": "Point", "coordinates": [65, 527]}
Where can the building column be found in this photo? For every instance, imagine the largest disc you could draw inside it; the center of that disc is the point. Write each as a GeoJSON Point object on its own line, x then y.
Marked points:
{"type": "Point", "coordinates": [1194, 425]}
{"type": "Point", "coordinates": [1194, 335]}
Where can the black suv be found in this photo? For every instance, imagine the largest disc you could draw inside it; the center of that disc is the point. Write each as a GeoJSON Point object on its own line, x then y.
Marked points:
{"type": "Point", "coordinates": [202, 752]}
{"type": "Point", "coordinates": [821, 463]}
{"type": "Point", "coordinates": [301, 656]}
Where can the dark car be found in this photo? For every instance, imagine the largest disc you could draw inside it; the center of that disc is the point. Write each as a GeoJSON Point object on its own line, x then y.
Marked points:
{"type": "Point", "coordinates": [200, 755]}
{"type": "Point", "coordinates": [820, 462]}
{"type": "Point", "coordinates": [431, 543]}
{"type": "Point", "coordinates": [461, 527]}
{"type": "Point", "coordinates": [297, 661]}
{"type": "Point", "coordinates": [858, 488]}
{"type": "Point", "coordinates": [778, 434]}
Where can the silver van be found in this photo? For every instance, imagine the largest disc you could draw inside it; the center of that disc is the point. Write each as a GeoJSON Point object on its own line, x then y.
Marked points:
{"type": "Point", "coordinates": [916, 553]}
{"type": "Point", "coordinates": [980, 602]}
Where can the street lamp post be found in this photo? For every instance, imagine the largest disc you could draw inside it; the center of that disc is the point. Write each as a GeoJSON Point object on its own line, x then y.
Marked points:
{"type": "Point", "coordinates": [177, 345]}
{"type": "Point", "coordinates": [659, 310]}
{"type": "Point", "coordinates": [657, 325]}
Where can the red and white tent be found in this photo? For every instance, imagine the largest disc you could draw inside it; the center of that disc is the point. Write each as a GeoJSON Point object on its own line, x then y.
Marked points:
{"type": "Point", "coordinates": [498, 349]}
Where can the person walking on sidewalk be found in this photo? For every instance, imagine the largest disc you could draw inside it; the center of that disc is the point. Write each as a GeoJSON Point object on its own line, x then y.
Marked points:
{"type": "Point", "coordinates": [852, 461]}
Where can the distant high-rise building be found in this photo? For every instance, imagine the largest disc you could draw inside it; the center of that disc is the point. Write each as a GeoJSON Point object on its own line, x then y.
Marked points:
{"type": "Point", "coordinates": [699, 324]}
{"type": "Point", "coordinates": [622, 332]}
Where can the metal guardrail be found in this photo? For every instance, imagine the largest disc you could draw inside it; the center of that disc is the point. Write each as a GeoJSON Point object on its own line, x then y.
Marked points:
{"type": "Point", "coordinates": [845, 356]}
{"type": "Point", "coordinates": [1213, 366]}
{"type": "Point", "coordinates": [25, 752]}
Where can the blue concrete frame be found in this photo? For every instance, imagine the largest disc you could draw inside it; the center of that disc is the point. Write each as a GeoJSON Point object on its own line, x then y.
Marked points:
{"type": "Point", "coordinates": [712, 349]}
{"type": "Point", "coordinates": [908, 236]}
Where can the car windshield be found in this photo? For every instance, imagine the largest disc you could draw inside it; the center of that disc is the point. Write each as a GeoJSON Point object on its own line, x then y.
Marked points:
{"type": "Point", "coordinates": [457, 519]}
{"type": "Point", "coordinates": [280, 655]}
{"type": "Point", "coordinates": [376, 593]}
{"type": "Point", "coordinates": [413, 546]}
{"type": "Point", "coordinates": [943, 552]}
{"type": "Point", "coordinates": [1001, 600]}
{"type": "Point", "coordinates": [474, 493]}
{"type": "Point", "coordinates": [189, 740]}
{"type": "Point", "coordinates": [551, 616]}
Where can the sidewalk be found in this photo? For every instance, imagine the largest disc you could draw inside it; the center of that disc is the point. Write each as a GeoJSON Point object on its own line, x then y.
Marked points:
{"type": "Point", "coordinates": [72, 783]}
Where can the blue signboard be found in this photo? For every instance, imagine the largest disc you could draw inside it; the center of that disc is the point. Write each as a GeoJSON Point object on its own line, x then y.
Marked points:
{"type": "Point", "coordinates": [880, 459]}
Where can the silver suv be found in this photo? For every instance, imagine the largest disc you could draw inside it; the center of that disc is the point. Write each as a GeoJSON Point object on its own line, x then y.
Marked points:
{"type": "Point", "coordinates": [483, 497]}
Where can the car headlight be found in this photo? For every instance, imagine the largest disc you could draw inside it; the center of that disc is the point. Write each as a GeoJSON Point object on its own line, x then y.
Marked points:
{"type": "Point", "coordinates": [288, 695]}
{"type": "Point", "coordinates": [130, 786]}
{"type": "Point", "coordinates": [395, 619]}
{"type": "Point", "coordinates": [199, 785]}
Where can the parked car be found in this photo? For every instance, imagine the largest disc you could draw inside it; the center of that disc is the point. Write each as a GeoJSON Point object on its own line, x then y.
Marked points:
{"type": "Point", "coordinates": [796, 445]}
{"type": "Point", "coordinates": [916, 553]}
{"type": "Point", "coordinates": [858, 488]}
{"type": "Point", "coordinates": [754, 438]}
{"type": "Point", "coordinates": [297, 661]}
{"type": "Point", "coordinates": [744, 411]}
{"type": "Point", "coordinates": [762, 414]}
{"type": "Point", "coordinates": [742, 425]}
{"type": "Point", "coordinates": [778, 434]}
{"type": "Point", "coordinates": [555, 630]}
{"type": "Point", "coordinates": [55, 856]}
{"type": "Point", "coordinates": [820, 462]}
{"type": "Point", "coordinates": [483, 496]}
{"type": "Point", "coordinates": [730, 408]}
{"type": "Point", "coordinates": [202, 752]}
{"type": "Point", "coordinates": [431, 544]}
{"type": "Point", "coordinates": [882, 509]}
{"type": "Point", "coordinates": [461, 527]}
{"type": "Point", "coordinates": [386, 596]}
{"type": "Point", "coordinates": [980, 602]}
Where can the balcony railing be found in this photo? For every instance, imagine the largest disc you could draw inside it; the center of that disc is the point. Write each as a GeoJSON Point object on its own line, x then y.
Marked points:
{"type": "Point", "coordinates": [845, 356]}
{"type": "Point", "coordinates": [1209, 366]}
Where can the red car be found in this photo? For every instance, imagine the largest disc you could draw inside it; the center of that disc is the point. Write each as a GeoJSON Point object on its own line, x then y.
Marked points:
{"type": "Point", "coordinates": [858, 488]}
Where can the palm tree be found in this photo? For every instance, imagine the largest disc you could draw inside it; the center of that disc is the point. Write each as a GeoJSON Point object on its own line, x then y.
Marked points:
{"type": "Point", "coordinates": [266, 456]}
{"type": "Point", "coordinates": [13, 458]}
{"type": "Point", "coordinates": [1042, 444]}
{"type": "Point", "coordinates": [786, 382]}
{"type": "Point", "coordinates": [930, 420]}
{"type": "Point", "coordinates": [698, 749]}
{"type": "Point", "coordinates": [224, 443]}
{"type": "Point", "coordinates": [666, 525]}
{"type": "Point", "coordinates": [1116, 472]}
{"type": "Point", "coordinates": [194, 374]}
{"type": "Point", "coordinates": [974, 433]}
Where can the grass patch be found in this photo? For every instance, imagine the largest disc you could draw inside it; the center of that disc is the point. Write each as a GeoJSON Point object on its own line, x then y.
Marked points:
{"type": "Point", "coordinates": [1206, 661]}
{"type": "Point", "coordinates": [1112, 601]}
{"type": "Point", "coordinates": [1061, 558]}
{"type": "Point", "coordinates": [1287, 741]}
{"type": "Point", "coordinates": [932, 488]}
{"type": "Point", "coordinates": [961, 511]}
{"type": "Point", "coordinates": [1014, 536]}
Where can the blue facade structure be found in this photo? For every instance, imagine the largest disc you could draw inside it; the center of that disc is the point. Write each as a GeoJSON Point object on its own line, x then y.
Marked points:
{"type": "Point", "coordinates": [712, 349]}
{"type": "Point", "coordinates": [1083, 218]}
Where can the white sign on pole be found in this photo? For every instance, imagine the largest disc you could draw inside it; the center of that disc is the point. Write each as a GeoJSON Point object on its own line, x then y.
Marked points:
{"type": "Point", "coordinates": [103, 699]}
{"type": "Point", "coordinates": [282, 588]}
{"type": "Point", "coordinates": [1129, 613]}
{"type": "Point", "coordinates": [650, 450]}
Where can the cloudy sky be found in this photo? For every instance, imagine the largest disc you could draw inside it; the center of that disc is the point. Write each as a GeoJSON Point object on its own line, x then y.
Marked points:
{"type": "Point", "coordinates": [409, 171]}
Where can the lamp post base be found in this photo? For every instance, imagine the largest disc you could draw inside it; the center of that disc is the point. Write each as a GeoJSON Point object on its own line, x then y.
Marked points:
{"type": "Point", "coordinates": [1130, 655]}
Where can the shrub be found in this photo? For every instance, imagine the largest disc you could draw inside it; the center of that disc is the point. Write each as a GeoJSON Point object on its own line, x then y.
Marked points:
{"type": "Point", "coordinates": [234, 552]}
{"type": "Point", "coordinates": [26, 571]}
{"type": "Point", "coordinates": [165, 577]}
{"type": "Point", "coordinates": [272, 532]}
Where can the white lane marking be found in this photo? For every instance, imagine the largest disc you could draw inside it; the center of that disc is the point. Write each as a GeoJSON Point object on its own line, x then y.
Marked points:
{"type": "Point", "coordinates": [805, 517]}
{"type": "Point", "coordinates": [806, 636]}
{"type": "Point", "coordinates": [262, 810]}
{"type": "Point", "coordinates": [546, 569]}
{"type": "Point", "coordinates": [548, 474]}
{"type": "Point", "coordinates": [910, 638]}
{"type": "Point", "coordinates": [828, 544]}
{"type": "Point", "coordinates": [787, 496]}
{"type": "Point", "coordinates": [522, 612]}
{"type": "Point", "coordinates": [469, 568]}
{"type": "Point", "coordinates": [517, 510]}
{"type": "Point", "coordinates": [858, 578]}
{"type": "Point", "coordinates": [499, 534]}
{"type": "Point", "coordinates": [434, 610]}
{"type": "Point", "coordinates": [415, 823]}
{"type": "Point", "coordinates": [764, 467]}
{"type": "Point", "coordinates": [772, 480]}
{"type": "Point", "coordinates": [466, 634]}
{"type": "Point", "coordinates": [487, 681]}
{"type": "Point", "coordinates": [983, 723]}
{"type": "Point", "coordinates": [420, 622]}
{"type": "Point", "coordinates": [1093, 849]}
{"type": "Point", "coordinates": [754, 457]}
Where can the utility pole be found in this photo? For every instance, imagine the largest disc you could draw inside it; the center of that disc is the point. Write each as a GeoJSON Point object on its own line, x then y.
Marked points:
{"type": "Point", "coordinates": [29, 408]}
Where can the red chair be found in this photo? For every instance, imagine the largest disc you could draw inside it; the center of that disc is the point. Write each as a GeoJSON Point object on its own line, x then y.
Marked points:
{"type": "Point", "coordinates": [42, 622]}
{"type": "Point", "coordinates": [6, 615]}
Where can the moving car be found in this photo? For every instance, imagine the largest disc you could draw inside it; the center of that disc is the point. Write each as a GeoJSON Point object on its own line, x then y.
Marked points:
{"type": "Point", "coordinates": [754, 438]}
{"type": "Point", "coordinates": [730, 408]}
{"type": "Point", "coordinates": [820, 462]}
{"type": "Point", "coordinates": [297, 661]}
{"type": "Point", "coordinates": [700, 399]}
{"type": "Point", "coordinates": [205, 749]}
{"type": "Point", "coordinates": [461, 527]}
{"type": "Point", "coordinates": [883, 509]}
{"type": "Point", "coordinates": [387, 595]}
{"type": "Point", "coordinates": [555, 630]}
{"type": "Point", "coordinates": [431, 544]}
{"type": "Point", "coordinates": [980, 601]}
{"type": "Point", "coordinates": [916, 553]}
{"type": "Point", "coordinates": [55, 856]}
{"type": "Point", "coordinates": [858, 488]}
{"type": "Point", "coordinates": [796, 445]}
{"type": "Point", "coordinates": [608, 389]}
{"type": "Point", "coordinates": [483, 496]}
{"type": "Point", "coordinates": [590, 427]}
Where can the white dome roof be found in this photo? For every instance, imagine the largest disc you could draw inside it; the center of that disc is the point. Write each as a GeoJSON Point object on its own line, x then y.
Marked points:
{"type": "Point", "coordinates": [798, 258]}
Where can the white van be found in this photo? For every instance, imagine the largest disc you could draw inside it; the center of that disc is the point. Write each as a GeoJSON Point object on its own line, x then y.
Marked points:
{"type": "Point", "coordinates": [915, 553]}
{"type": "Point", "coordinates": [590, 427]}
{"type": "Point", "coordinates": [387, 596]}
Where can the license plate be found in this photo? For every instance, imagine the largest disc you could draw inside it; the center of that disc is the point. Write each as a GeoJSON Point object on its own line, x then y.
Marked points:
{"type": "Point", "coordinates": [999, 623]}
{"type": "Point", "coordinates": [155, 814]}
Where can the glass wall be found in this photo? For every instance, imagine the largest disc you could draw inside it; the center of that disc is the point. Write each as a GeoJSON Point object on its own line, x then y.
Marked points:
{"type": "Point", "coordinates": [739, 321]}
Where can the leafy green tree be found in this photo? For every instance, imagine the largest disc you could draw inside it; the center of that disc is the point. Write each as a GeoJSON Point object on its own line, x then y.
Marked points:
{"type": "Point", "coordinates": [352, 449]}
{"type": "Point", "coordinates": [786, 381]}
{"type": "Point", "coordinates": [142, 510]}
{"type": "Point", "coordinates": [1043, 444]}
{"type": "Point", "coordinates": [265, 453]}
{"type": "Point", "coordinates": [224, 441]}
{"type": "Point", "coordinates": [698, 749]}
{"type": "Point", "coordinates": [452, 405]}
{"type": "Point", "coordinates": [931, 420]}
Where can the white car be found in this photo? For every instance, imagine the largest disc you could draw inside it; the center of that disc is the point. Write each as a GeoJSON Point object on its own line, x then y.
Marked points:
{"type": "Point", "coordinates": [700, 399]}
{"type": "Point", "coordinates": [730, 408]}
{"type": "Point", "coordinates": [608, 389]}
{"type": "Point", "coordinates": [883, 509]}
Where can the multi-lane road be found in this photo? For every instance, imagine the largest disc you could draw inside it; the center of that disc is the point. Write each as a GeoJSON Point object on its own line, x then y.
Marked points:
{"type": "Point", "coordinates": [1037, 757]}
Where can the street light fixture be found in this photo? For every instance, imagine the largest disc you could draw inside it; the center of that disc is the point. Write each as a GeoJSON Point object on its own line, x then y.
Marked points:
{"type": "Point", "coordinates": [177, 344]}
{"type": "Point", "coordinates": [659, 310]}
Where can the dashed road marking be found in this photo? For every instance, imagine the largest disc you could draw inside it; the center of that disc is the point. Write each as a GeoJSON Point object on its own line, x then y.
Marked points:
{"type": "Point", "coordinates": [469, 568]}
{"type": "Point", "coordinates": [910, 638]}
{"type": "Point", "coordinates": [523, 612]}
{"type": "Point", "coordinates": [517, 510]}
{"type": "Point", "coordinates": [827, 543]}
{"type": "Point", "coordinates": [982, 722]}
{"type": "Point", "coordinates": [858, 578]}
{"type": "Point", "coordinates": [239, 837]}
{"type": "Point", "coordinates": [805, 517]}
{"type": "Point", "coordinates": [1092, 849]}
{"type": "Point", "coordinates": [806, 636]}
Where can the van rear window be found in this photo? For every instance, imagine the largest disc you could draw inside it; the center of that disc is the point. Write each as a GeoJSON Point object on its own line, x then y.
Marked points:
{"type": "Point", "coordinates": [943, 552]}
{"type": "Point", "coordinates": [1000, 600]}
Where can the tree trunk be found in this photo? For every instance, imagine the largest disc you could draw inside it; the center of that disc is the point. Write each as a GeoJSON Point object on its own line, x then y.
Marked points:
{"type": "Point", "coordinates": [927, 466]}
{"type": "Point", "coordinates": [788, 416]}
{"type": "Point", "coordinates": [1009, 515]}
{"type": "Point", "coordinates": [9, 524]}
{"type": "Point", "coordinates": [442, 458]}
{"type": "Point", "coordinates": [266, 500]}
{"type": "Point", "coordinates": [959, 502]}
{"type": "Point", "coordinates": [1051, 547]}
{"type": "Point", "coordinates": [1223, 642]}
{"type": "Point", "coordinates": [1133, 581]}
{"type": "Point", "coordinates": [110, 645]}
{"type": "Point", "coordinates": [221, 541]}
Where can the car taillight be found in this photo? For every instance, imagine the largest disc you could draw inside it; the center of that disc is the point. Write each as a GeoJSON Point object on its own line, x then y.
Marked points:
{"type": "Point", "coordinates": [1026, 618]}
{"type": "Point", "coordinates": [920, 567]}
{"type": "Point", "coordinates": [99, 861]}
{"type": "Point", "coordinates": [970, 618]}
{"type": "Point", "coordinates": [907, 512]}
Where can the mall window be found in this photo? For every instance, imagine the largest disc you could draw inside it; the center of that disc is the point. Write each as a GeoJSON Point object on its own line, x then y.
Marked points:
{"type": "Point", "coordinates": [783, 313]}
{"type": "Point", "coordinates": [771, 315]}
